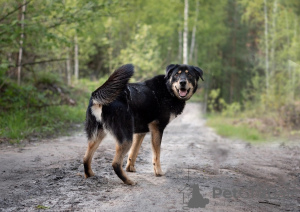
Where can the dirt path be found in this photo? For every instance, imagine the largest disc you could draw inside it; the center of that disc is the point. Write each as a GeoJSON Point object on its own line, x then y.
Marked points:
{"type": "Point", "coordinates": [232, 175]}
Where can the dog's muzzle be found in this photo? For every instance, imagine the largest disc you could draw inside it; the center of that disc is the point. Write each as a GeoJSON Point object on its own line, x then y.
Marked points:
{"type": "Point", "coordinates": [182, 91]}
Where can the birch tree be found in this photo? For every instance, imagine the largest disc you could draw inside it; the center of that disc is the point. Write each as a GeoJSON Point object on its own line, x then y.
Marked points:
{"type": "Point", "coordinates": [192, 48]}
{"type": "Point", "coordinates": [179, 45]}
{"type": "Point", "coordinates": [266, 45]}
{"type": "Point", "coordinates": [21, 43]}
{"type": "Point", "coordinates": [288, 42]}
{"type": "Point", "coordinates": [185, 32]}
{"type": "Point", "coordinates": [273, 35]}
{"type": "Point", "coordinates": [76, 62]}
{"type": "Point", "coordinates": [68, 68]}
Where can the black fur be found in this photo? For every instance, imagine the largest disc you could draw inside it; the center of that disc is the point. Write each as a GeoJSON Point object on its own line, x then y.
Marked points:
{"type": "Point", "coordinates": [129, 108]}
{"type": "Point", "coordinates": [115, 84]}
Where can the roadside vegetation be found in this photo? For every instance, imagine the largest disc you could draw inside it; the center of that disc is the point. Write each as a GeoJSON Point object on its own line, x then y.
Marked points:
{"type": "Point", "coordinates": [54, 53]}
{"type": "Point", "coordinates": [254, 122]}
{"type": "Point", "coordinates": [43, 106]}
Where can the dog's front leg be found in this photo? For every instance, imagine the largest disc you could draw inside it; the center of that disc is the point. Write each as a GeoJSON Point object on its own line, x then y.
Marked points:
{"type": "Point", "coordinates": [156, 135]}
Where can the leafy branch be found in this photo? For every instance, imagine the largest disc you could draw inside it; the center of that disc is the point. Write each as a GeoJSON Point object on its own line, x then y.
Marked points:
{"type": "Point", "coordinates": [13, 11]}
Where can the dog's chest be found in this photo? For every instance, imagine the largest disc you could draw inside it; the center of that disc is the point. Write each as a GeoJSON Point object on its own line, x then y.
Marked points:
{"type": "Point", "coordinates": [172, 117]}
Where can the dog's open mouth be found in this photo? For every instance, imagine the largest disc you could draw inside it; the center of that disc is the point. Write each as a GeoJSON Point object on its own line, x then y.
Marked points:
{"type": "Point", "coordinates": [183, 92]}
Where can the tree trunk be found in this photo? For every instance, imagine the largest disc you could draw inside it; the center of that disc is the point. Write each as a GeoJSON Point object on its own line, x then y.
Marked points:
{"type": "Point", "coordinates": [194, 32]}
{"type": "Point", "coordinates": [288, 43]}
{"type": "Point", "coordinates": [68, 68]}
{"type": "Point", "coordinates": [196, 54]}
{"type": "Point", "coordinates": [273, 37]}
{"type": "Point", "coordinates": [76, 65]}
{"type": "Point", "coordinates": [180, 45]}
{"type": "Point", "coordinates": [296, 25]}
{"type": "Point", "coordinates": [266, 45]}
{"type": "Point", "coordinates": [21, 42]}
{"type": "Point", "coordinates": [206, 88]}
{"type": "Point", "coordinates": [185, 32]}
{"type": "Point", "coordinates": [233, 58]}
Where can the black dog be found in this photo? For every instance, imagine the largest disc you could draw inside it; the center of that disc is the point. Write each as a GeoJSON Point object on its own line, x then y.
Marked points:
{"type": "Point", "coordinates": [128, 111]}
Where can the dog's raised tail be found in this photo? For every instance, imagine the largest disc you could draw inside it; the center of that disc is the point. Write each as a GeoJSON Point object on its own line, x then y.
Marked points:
{"type": "Point", "coordinates": [115, 84]}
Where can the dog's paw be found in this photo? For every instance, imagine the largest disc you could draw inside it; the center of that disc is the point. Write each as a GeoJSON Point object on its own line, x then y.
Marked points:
{"type": "Point", "coordinates": [89, 174]}
{"type": "Point", "coordinates": [130, 168]}
{"type": "Point", "coordinates": [158, 172]}
{"type": "Point", "coordinates": [129, 182]}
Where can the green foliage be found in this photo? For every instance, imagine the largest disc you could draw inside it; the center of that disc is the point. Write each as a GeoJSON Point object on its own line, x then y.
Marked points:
{"type": "Point", "coordinates": [232, 109]}
{"type": "Point", "coordinates": [215, 102]}
{"type": "Point", "coordinates": [91, 86]}
{"type": "Point", "coordinates": [47, 78]}
{"type": "Point", "coordinates": [30, 111]}
{"type": "Point", "coordinates": [145, 55]}
{"type": "Point", "coordinates": [225, 127]}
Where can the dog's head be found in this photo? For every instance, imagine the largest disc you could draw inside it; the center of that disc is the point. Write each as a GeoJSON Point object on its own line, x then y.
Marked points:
{"type": "Point", "coordinates": [182, 80]}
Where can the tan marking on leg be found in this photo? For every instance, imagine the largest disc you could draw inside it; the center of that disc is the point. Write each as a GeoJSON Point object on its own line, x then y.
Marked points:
{"type": "Point", "coordinates": [156, 142]}
{"type": "Point", "coordinates": [121, 150]}
{"type": "Point", "coordinates": [92, 147]}
{"type": "Point", "coordinates": [134, 151]}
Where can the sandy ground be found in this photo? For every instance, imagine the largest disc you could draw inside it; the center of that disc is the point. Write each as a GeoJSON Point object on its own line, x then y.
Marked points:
{"type": "Point", "coordinates": [233, 175]}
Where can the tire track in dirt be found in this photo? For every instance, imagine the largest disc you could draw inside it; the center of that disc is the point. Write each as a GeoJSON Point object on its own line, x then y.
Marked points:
{"type": "Point", "coordinates": [50, 173]}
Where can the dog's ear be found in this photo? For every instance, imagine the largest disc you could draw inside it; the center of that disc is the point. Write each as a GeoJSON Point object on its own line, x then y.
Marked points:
{"type": "Point", "coordinates": [199, 72]}
{"type": "Point", "coordinates": [170, 68]}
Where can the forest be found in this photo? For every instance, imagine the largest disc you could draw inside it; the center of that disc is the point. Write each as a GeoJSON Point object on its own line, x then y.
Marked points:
{"type": "Point", "coordinates": [54, 53]}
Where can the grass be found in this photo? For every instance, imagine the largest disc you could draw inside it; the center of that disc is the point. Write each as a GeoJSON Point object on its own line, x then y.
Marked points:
{"type": "Point", "coordinates": [17, 125]}
{"type": "Point", "coordinates": [29, 111]}
{"type": "Point", "coordinates": [37, 110]}
{"type": "Point", "coordinates": [225, 127]}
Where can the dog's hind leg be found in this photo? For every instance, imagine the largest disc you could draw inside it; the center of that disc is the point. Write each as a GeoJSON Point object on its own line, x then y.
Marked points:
{"type": "Point", "coordinates": [134, 151]}
{"type": "Point", "coordinates": [156, 136]}
{"type": "Point", "coordinates": [121, 150]}
{"type": "Point", "coordinates": [93, 144]}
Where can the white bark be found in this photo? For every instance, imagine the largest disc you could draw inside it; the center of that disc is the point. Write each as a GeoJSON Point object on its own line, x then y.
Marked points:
{"type": "Point", "coordinates": [76, 65]}
{"type": "Point", "coordinates": [266, 45]}
{"type": "Point", "coordinates": [180, 45]}
{"type": "Point", "coordinates": [273, 36]}
{"type": "Point", "coordinates": [192, 48]}
{"type": "Point", "coordinates": [288, 42]}
{"type": "Point", "coordinates": [68, 68]}
{"type": "Point", "coordinates": [185, 32]}
{"type": "Point", "coordinates": [21, 42]}
{"type": "Point", "coordinates": [295, 27]}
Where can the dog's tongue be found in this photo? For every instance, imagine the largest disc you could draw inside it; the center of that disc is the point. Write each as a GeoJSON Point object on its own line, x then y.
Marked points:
{"type": "Point", "coordinates": [182, 92]}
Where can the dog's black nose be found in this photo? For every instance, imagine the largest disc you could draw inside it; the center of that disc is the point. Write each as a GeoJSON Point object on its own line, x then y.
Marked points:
{"type": "Point", "coordinates": [182, 82]}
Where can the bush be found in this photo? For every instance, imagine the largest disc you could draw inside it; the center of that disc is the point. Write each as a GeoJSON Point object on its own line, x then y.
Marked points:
{"type": "Point", "coordinates": [39, 111]}
{"type": "Point", "coordinates": [232, 109]}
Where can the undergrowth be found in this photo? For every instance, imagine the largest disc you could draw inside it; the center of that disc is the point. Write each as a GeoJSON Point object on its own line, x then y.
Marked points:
{"type": "Point", "coordinates": [42, 107]}
{"type": "Point", "coordinates": [228, 127]}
